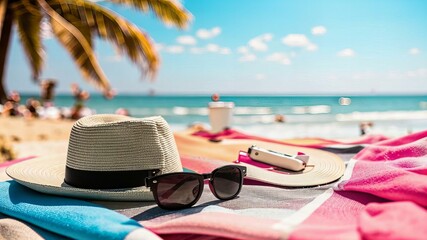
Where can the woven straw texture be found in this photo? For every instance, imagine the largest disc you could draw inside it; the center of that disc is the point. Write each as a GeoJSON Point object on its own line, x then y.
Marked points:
{"type": "Point", "coordinates": [104, 143]}
{"type": "Point", "coordinates": [120, 143]}
{"type": "Point", "coordinates": [318, 171]}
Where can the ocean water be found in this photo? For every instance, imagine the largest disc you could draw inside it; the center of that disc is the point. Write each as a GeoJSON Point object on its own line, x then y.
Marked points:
{"type": "Point", "coordinates": [306, 116]}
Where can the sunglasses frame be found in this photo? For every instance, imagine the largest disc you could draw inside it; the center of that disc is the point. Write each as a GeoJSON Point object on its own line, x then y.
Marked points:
{"type": "Point", "coordinates": [152, 182]}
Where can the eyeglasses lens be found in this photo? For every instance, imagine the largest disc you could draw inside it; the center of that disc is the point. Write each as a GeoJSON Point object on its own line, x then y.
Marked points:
{"type": "Point", "coordinates": [227, 182]}
{"type": "Point", "coordinates": [178, 190]}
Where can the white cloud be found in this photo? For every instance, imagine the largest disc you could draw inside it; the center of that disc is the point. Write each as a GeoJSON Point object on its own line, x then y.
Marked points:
{"type": "Point", "coordinates": [260, 76]}
{"type": "Point", "coordinates": [275, 57]}
{"type": "Point", "coordinates": [212, 48]}
{"type": "Point", "coordinates": [285, 61]}
{"type": "Point", "coordinates": [174, 49]}
{"type": "Point", "coordinates": [296, 40]}
{"type": "Point", "coordinates": [243, 50]}
{"type": "Point", "coordinates": [186, 40]}
{"type": "Point", "coordinates": [225, 51]}
{"type": "Point", "coordinates": [318, 30]}
{"type": "Point", "coordinates": [293, 54]}
{"type": "Point", "coordinates": [414, 51]}
{"type": "Point", "coordinates": [46, 30]}
{"type": "Point", "coordinates": [249, 57]}
{"type": "Point", "coordinates": [394, 75]}
{"type": "Point", "coordinates": [332, 77]}
{"type": "Point", "coordinates": [197, 50]}
{"type": "Point", "coordinates": [311, 47]}
{"type": "Point", "coordinates": [366, 75]}
{"type": "Point", "coordinates": [208, 33]}
{"type": "Point", "coordinates": [159, 47]}
{"type": "Point", "coordinates": [259, 43]}
{"type": "Point", "coordinates": [348, 52]}
{"type": "Point", "coordinates": [421, 72]}
{"type": "Point", "coordinates": [279, 58]}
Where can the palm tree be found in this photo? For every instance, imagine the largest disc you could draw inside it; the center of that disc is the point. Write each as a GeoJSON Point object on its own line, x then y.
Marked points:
{"type": "Point", "coordinates": [75, 23]}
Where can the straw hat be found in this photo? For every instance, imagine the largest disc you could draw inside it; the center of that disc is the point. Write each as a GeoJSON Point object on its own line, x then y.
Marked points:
{"type": "Point", "coordinates": [108, 158]}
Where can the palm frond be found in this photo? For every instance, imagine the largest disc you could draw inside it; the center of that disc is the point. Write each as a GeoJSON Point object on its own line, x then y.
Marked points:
{"type": "Point", "coordinates": [77, 45]}
{"type": "Point", "coordinates": [171, 12]}
{"type": "Point", "coordinates": [3, 6]}
{"type": "Point", "coordinates": [73, 16]}
{"type": "Point", "coordinates": [128, 38]}
{"type": "Point", "coordinates": [29, 20]}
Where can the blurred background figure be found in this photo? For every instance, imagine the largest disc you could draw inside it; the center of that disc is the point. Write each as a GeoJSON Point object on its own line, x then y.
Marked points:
{"type": "Point", "coordinates": [11, 106]}
{"type": "Point", "coordinates": [279, 118]}
{"type": "Point", "coordinates": [365, 128]}
{"type": "Point", "coordinates": [48, 92]}
{"type": "Point", "coordinates": [80, 97]}
{"type": "Point", "coordinates": [110, 94]}
{"type": "Point", "coordinates": [122, 111]}
{"type": "Point", "coordinates": [9, 110]}
{"type": "Point", "coordinates": [14, 97]}
{"type": "Point", "coordinates": [31, 108]}
{"type": "Point", "coordinates": [215, 97]}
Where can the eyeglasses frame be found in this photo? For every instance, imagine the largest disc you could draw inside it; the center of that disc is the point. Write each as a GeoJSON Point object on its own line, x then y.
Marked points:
{"type": "Point", "coordinates": [152, 181]}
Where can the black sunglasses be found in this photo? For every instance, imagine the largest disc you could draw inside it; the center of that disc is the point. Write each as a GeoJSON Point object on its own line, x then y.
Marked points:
{"type": "Point", "coordinates": [183, 189]}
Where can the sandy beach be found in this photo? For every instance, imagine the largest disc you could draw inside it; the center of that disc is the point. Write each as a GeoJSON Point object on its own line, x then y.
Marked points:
{"type": "Point", "coordinates": [35, 137]}
{"type": "Point", "coordinates": [39, 137]}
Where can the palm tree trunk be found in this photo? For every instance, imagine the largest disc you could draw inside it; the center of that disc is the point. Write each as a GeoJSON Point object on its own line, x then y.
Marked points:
{"type": "Point", "coordinates": [6, 29]}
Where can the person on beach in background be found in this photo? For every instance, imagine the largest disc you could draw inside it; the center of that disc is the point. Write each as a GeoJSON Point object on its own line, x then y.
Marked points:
{"type": "Point", "coordinates": [47, 92]}
{"type": "Point", "coordinates": [365, 128]}
{"type": "Point", "coordinates": [9, 110]}
{"type": "Point", "coordinates": [215, 97]}
{"type": "Point", "coordinates": [279, 118]}
{"type": "Point", "coordinates": [11, 107]}
{"type": "Point", "coordinates": [80, 97]}
{"type": "Point", "coordinates": [110, 94]}
{"type": "Point", "coordinates": [122, 111]}
{"type": "Point", "coordinates": [31, 107]}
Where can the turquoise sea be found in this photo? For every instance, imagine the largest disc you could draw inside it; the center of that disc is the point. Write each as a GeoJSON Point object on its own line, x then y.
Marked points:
{"type": "Point", "coordinates": [306, 116]}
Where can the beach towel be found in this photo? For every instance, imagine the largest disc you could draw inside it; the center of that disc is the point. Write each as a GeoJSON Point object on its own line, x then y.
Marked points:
{"type": "Point", "coordinates": [11, 228]}
{"type": "Point", "coordinates": [370, 202]}
{"type": "Point", "coordinates": [381, 196]}
{"type": "Point", "coordinates": [337, 146]}
{"type": "Point", "coordinates": [68, 217]}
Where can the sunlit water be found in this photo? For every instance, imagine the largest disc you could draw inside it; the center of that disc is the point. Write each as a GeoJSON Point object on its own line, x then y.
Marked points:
{"type": "Point", "coordinates": [306, 116]}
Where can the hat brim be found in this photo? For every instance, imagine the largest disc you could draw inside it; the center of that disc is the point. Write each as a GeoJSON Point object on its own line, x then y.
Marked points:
{"type": "Point", "coordinates": [318, 171]}
{"type": "Point", "coordinates": [46, 175]}
{"type": "Point", "coordinates": [323, 167]}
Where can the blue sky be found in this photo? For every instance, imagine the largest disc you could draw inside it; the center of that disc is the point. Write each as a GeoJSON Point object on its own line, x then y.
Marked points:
{"type": "Point", "coordinates": [264, 47]}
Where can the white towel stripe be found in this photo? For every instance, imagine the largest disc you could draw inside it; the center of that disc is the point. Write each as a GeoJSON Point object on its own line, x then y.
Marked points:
{"type": "Point", "coordinates": [289, 223]}
{"type": "Point", "coordinates": [347, 174]}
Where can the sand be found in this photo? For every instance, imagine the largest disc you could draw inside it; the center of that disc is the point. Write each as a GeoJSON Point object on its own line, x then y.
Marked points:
{"type": "Point", "coordinates": [40, 137]}
{"type": "Point", "coordinates": [18, 129]}
{"type": "Point", "coordinates": [35, 137]}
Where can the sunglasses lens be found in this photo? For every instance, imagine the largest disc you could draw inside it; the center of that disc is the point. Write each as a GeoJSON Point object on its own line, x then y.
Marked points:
{"type": "Point", "coordinates": [227, 182]}
{"type": "Point", "coordinates": [177, 191]}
